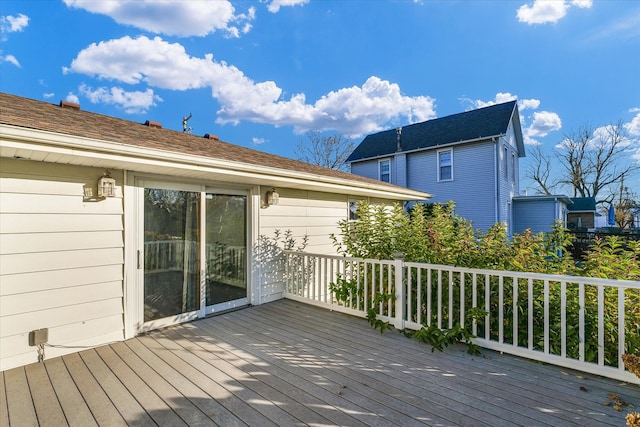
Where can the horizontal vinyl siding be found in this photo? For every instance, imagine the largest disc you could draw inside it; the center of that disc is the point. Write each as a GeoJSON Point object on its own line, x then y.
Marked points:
{"type": "Point", "coordinates": [538, 216]}
{"type": "Point", "coordinates": [368, 169]}
{"type": "Point", "coordinates": [61, 260]}
{"type": "Point", "coordinates": [304, 213]}
{"type": "Point", "coordinates": [473, 185]}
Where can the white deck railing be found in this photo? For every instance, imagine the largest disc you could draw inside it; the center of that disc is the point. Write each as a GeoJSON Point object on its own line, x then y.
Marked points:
{"type": "Point", "coordinates": [580, 323]}
{"type": "Point", "coordinates": [224, 263]}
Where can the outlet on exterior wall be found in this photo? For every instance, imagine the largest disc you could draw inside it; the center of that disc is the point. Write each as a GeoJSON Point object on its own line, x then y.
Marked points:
{"type": "Point", "coordinates": [38, 337]}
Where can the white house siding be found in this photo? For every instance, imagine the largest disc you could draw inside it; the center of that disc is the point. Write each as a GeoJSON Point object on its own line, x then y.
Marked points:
{"type": "Point", "coordinates": [304, 213]}
{"type": "Point", "coordinates": [61, 260]}
{"type": "Point", "coordinates": [473, 185]}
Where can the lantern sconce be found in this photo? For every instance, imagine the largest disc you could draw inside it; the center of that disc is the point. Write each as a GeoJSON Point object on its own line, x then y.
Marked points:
{"type": "Point", "coordinates": [271, 198]}
{"type": "Point", "coordinates": [106, 186]}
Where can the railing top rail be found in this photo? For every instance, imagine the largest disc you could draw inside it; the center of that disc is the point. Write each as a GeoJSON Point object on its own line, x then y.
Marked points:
{"type": "Point", "coordinates": [529, 275]}
{"type": "Point", "coordinates": [483, 271]}
{"type": "Point", "coordinates": [340, 257]}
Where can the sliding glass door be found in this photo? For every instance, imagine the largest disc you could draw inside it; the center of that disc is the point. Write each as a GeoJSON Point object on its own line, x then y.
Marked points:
{"type": "Point", "coordinates": [226, 250]}
{"type": "Point", "coordinates": [194, 255]}
{"type": "Point", "coordinates": [171, 279]}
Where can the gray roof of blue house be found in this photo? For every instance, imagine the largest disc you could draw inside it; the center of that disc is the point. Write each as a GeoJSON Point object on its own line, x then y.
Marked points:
{"type": "Point", "coordinates": [482, 123]}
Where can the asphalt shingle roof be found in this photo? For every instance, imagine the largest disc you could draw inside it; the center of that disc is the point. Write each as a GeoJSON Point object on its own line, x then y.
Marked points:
{"type": "Point", "coordinates": [471, 125]}
{"type": "Point", "coordinates": [32, 114]}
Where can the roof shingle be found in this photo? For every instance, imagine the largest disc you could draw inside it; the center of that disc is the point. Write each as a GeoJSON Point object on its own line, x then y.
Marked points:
{"type": "Point", "coordinates": [32, 114]}
{"type": "Point", "coordinates": [468, 126]}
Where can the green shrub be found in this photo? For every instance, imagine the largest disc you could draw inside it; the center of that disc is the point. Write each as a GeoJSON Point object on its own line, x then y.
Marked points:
{"type": "Point", "coordinates": [434, 234]}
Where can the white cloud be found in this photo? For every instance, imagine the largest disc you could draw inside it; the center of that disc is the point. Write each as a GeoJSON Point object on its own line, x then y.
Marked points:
{"type": "Point", "coordinates": [543, 123]}
{"type": "Point", "coordinates": [171, 17]}
{"type": "Point", "coordinates": [71, 97]}
{"type": "Point", "coordinates": [48, 95]}
{"type": "Point", "coordinates": [633, 127]}
{"type": "Point", "coordinates": [12, 24]}
{"type": "Point", "coordinates": [132, 102]}
{"type": "Point", "coordinates": [157, 63]}
{"type": "Point", "coordinates": [502, 97]}
{"type": "Point", "coordinates": [257, 141]}
{"type": "Point", "coordinates": [10, 59]}
{"type": "Point", "coordinates": [275, 5]}
{"type": "Point", "coordinates": [548, 11]}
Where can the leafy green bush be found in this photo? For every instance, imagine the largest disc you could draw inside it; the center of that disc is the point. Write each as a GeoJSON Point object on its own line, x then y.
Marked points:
{"type": "Point", "coordinates": [435, 235]}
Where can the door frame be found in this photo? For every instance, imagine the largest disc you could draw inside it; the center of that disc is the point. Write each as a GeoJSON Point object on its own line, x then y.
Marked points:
{"type": "Point", "coordinates": [133, 292]}
{"type": "Point", "coordinates": [228, 305]}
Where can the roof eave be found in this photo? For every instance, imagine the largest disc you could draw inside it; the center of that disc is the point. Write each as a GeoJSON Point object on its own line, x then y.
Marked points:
{"type": "Point", "coordinates": [40, 145]}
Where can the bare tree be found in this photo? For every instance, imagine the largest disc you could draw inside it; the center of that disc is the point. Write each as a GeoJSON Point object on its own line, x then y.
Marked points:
{"type": "Point", "coordinates": [540, 171]}
{"type": "Point", "coordinates": [592, 161]}
{"type": "Point", "coordinates": [328, 151]}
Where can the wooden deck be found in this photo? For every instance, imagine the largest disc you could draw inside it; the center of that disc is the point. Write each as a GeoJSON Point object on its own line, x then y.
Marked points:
{"type": "Point", "coordinates": [285, 364]}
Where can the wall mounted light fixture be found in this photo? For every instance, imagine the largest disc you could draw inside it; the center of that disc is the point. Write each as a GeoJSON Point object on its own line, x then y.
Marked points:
{"type": "Point", "coordinates": [272, 197]}
{"type": "Point", "coordinates": [106, 186]}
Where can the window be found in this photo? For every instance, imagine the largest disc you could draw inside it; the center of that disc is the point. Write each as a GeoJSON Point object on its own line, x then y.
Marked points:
{"type": "Point", "coordinates": [353, 210]}
{"type": "Point", "coordinates": [505, 161]}
{"type": "Point", "coordinates": [513, 167]}
{"type": "Point", "coordinates": [385, 170]}
{"type": "Point", "coordinates": [445, 165]}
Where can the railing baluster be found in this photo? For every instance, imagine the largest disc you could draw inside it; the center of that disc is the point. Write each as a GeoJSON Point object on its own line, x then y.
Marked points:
{"type": "Point", "coordinates": [516, 320]}
{"type": "Point", "coordinates": [462, 313]}
{"type": "Point", "coordinates": [409, 295]}
{"type": "Point", "coordinates": [581, 336]}
{"type": "Point", "coordinates": [546, 316]}
{"type": "Point", "coordinates": [500, 308]}
{"type": "Point", "coordinates": [439, 299]}
{"type": "Point", "coordinates": [419, 295]}
{"type": "Point", "coordinates": [530, 337]}
{"type": "Point", "coordinates": [601, 325]}
{"type": "Point", "coordinates": [563, 318]}
{"type": "Point", "coordinates": [474, 302]}
{"type": "Point", "coordinates": [621, 328]}
{"type": "Point", "coordinates": [429, 290]}
{"type": "Point", "coordinates": [450, 309]}
{"type": "Point", "coordinates": [487, 306]}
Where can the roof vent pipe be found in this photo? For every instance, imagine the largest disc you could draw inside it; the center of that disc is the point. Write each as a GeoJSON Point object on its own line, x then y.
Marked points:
{"type": "Point", "coordinates": [399, 138]}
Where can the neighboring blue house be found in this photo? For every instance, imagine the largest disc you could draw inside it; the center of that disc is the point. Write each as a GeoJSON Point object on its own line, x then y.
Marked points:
{"type": "Point", "coordinates": [471, 158]}
{"type": "Point", "coordinates": [539, 213]}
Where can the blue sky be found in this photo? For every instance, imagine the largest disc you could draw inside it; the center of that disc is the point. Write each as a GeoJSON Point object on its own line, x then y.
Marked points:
{"type": "Point", "coordinates": [261, 73]}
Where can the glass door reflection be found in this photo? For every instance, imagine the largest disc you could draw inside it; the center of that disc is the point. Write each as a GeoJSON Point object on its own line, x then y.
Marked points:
{"type": "Point", "coordinates": [171, 267]}
{"type": "Point", "coordinates": [226, 248]}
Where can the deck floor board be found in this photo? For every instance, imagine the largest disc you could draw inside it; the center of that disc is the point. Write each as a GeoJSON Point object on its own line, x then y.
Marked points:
{"type": "Point", "coordinates": [449, 364]}
{"type": "Point", "coordinates": [288, 364]}
{"type": "Point", "coordinates": [45, 401]}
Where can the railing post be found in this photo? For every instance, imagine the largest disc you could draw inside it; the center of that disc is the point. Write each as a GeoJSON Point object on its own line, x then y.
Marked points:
{"type": "Point", "coordinates": [401, 297]}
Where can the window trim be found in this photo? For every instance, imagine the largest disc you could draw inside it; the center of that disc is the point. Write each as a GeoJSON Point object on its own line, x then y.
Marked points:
{"type": "Point", "coordinates": [439, 153]}
{"type": "Point", "coordinates": [380, 163]}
